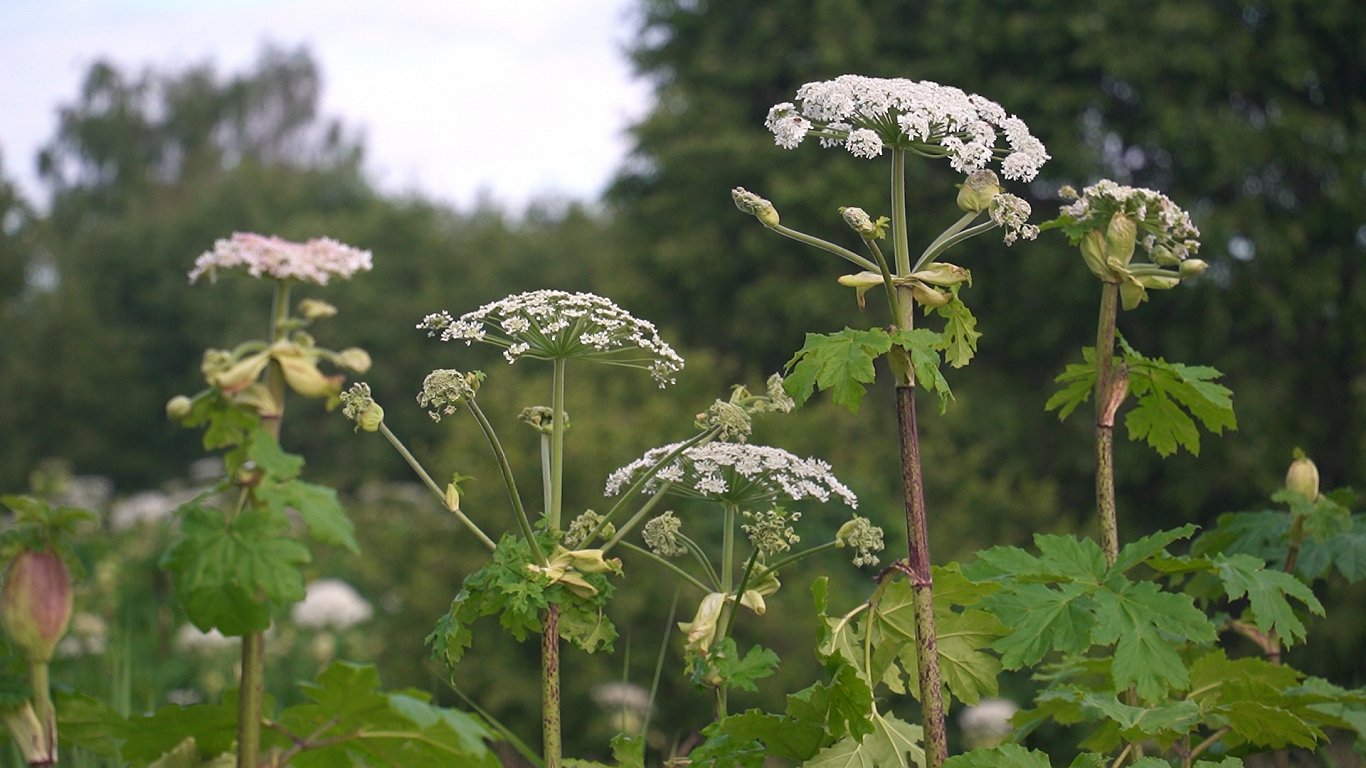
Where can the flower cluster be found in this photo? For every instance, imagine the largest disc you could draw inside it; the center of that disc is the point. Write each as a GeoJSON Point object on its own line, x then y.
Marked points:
{"type": "Point", "coordinates": [732, 421]}
{"type": "Point", "coordinates": [736, 473]}
{"type": "Point", "coordinates": [360, 407]}
{"type": "Point", "coordinates": [662, 536]}
{"type": "Point", "coordinates": [584, 525]}
{"type": "Point", "coordinates": [867, 114]}
{"type": "Point", "coordinates": [863, 537]}
{"type": "Point", "coordinates": [316, 261]}
{"type": "Point", "coordinates": [551, 325]}
{"type": "Point", "coordinates": [331, 603]}
{"type": "Point", "coordinates": [770, 532]}
{"type": "Point", "coordinates": [1011, 213]}
{"type": "Point", "coordinates": [1171, 236]}
{"type": "Point", "coordinates": [444, 390]}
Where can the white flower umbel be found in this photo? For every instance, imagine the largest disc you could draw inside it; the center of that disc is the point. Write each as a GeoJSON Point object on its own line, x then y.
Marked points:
{"type": "Point", "coordinates": [1011, 214]}
{"type": "Point", "coordinates": [551, 325]}
{"type": "Point", "coordinates": [1170, 234]}
{"type": "Point", "coordinates": [736, 473]}
{"type": "Point", "coordinates": [867, 114]}
{"type": "Point", "coordinates": [316, 261]}
{"type": "Point", "coordinates": [331, 603]}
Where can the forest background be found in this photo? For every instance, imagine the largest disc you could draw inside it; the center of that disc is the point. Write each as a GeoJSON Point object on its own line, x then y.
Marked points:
{"type": "Point", "coordinates": [1251, 115]}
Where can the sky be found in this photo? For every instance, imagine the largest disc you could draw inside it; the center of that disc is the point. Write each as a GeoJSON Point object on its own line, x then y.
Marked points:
{"type": "Point", "coordinates": [456, 100]}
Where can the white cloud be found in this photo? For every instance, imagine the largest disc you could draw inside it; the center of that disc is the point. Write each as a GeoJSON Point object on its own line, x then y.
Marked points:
{"type": "Point", "coordinates": [453, 98]}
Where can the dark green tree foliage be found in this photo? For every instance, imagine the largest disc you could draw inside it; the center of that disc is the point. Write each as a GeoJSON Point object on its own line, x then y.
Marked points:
{"type": "Point", "coordinates": [1247, 113]}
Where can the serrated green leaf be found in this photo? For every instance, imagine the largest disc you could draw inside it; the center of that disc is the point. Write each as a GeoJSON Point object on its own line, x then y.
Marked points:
{"type": "Point", "coordinates": [1005, 756]}
{"type": "Point", "coordinates": [228, 572]}
{"type": "Point", "coordinates": [272, 459]}
{"type": "Point", "coordinates": [213, 726]}
{"type": "Point", "coordinates": [86, 722]}
{"type": "Point", "coordinates": [1078, 381]}
{"type": "Point", "coordinates": [839, 362]}
{"type": "Point", "coordinates": [1228, 762]}
{"type": "Point", "coordinates": [1215, 680]}
{"type": "Point", "coordinates": [1163, 720]}
{"type": "Point", "coordinates": [742, 672]}
{"type": "Point", "coordinates": [960, 334]}
{"type": "Point", "coordinates": [319, 507]}
{"type": "Point", "coordinates": [1138, 619]}
{"type": "Point", "coordinates": [1269, 726]}
{"type": "Point", "coordinates": [923, 346]}
{"type": "Point", "coordinates": [1263, 534]}
{"type": "Point", "coordinates": [892, 743]}
{"type": "Point", "coordinates": [815, 717]}
{"type": "Point", "coordinates": [1040, 619]}
{"type": "Point", "coordinates": [1170, 397]}
{"type": "Point", "coordinates": [1267, 592]}
{"type": "Point", "coordinates": [1141, 550]}
{"type": "Point", "coordinates": [349, 717]}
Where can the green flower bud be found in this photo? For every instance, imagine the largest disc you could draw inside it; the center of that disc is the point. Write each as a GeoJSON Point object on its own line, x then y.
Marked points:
{"type": "Point", "coordinates": [927, 296]}
{"type": "Point", "coordinates": [36, 603]}
{"type": "Point", "coordinates": [943, 274]}
{"type": "Point", "coordinates": [859, 221]}
{"type": "Point", "coordinates": [1193, 267]}
{"type": "Point", "coordinates": [1093, 253]}
{"type": "Point", "coordinates": [756, 206]}
{"type": "Point", "coordinates": [229, 375]}
{"type": "Point", "coordinates": [313, 309]}
{"type": "Point", "coordinates": [358, 406]}
{"type": "Point", "coordinates": [178, 408]}
{"type": "Point", "coordinates": [301, 372]}
{"type": "Point", "coordinates": [354, 359]}
{"type": "Point", "coordinates": [1132, 293]}
{"type": "Point", "coordinates": [453, 497]}
{"type": "Point", "coordinates": [1120, 238]}
{"type": "Point", "coordinates": [1303, 477]}
{"type": "Point", "coordinates": [975, 194]}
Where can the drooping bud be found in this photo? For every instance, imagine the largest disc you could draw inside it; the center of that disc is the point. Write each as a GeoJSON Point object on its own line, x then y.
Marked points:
{"type": "Point", "coordinates": [975, 193]}
{"type": "Point", "coordinates": [1120, 238]}
{"type": "Point", "coordinates": [453, 497]}
{"type": "Point", "coordinates": [1193, 267]}
{"type": "Point", "coordinates": [229, 375]}
{"type": "Point", "coordinates": [178, 408]}
{"type": "Point", "coordinates": [927, 296]}
{"type": "Point", "coordinates": [313, 309]}
{"type": "Point", "coordinates": [1303, 477]}
{"type": "Point", "coordinates": [301, 372]}
{"type": "Point", "coordinates": [861, 282]}
{"type": "Point", "coordinates": [36, 603]}
{"type": "Point", "coordinates": [943, 274]}
{"type": "Point", "coordinates": [354, 359]}
{"type": "Point", "coordinates": [1132, 293]}
{"type": "Point", "coordinates": [755, 206]}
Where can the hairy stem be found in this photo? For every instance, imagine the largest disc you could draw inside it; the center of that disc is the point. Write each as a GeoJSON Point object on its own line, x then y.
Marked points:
{"type": "Point", "coordinates": [922, 585]}
{"type": "Point", "coordinates": [550, 687]}
{"type": "Point", "coordinates": [1106, 405]}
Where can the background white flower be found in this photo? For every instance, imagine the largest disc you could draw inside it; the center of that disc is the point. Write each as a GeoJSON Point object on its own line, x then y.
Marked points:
{"type": "Point", "coordinates": [331, 603]}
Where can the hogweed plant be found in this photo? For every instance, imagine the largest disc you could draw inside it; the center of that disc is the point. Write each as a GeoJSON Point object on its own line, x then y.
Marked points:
{"type": "Point", "coordinates": [548, 576]}
{"type": "Point", "coordinates": [236, 560]}
{"type": "Point", "coordinates": [870, 118]}
{"type": "Point", "coordinates": [748, 483]}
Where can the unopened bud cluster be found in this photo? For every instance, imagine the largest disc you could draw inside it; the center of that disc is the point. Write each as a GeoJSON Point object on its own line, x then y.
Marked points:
{"type": "Point", "coordinates": [864, 538]}
{"type": "Point", "coordinates": [445, 390]}
{"type": "Point", "coordinates": [755, 206]}
{"type": "Point", "coordinates": [360, 407]}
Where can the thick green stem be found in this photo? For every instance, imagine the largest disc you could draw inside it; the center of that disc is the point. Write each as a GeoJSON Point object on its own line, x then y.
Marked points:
{"type": "Point", "coordinates": [922, 585]}
{"type": "Point", "coordinates": [433, 487]}
{"type": "Point", "coordinates": [251, 687]}
{"type": "Point", "coordinates": [728, 549]}
{"type": "Point", "coordinates": [1106, 405]}
{"type": "Point", "coordinates": [550, 687]}
{"type": "Point", "coordinates": [508, 480]}
{"type": "Point", "coordinates": [557, 448]}
{"type": "Point", "coordinates": [948, 240]}
{"type": "Point", "coordinates": [900, 233]}
{"type": "Point", "coordinates": [545, 471]}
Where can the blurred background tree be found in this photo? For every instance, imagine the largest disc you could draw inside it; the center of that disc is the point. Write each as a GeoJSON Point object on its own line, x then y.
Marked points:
{"type": "Point", "coordinates": [1249, 114]}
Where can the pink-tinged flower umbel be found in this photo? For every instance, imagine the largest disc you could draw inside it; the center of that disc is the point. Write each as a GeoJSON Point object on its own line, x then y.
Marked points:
{"type": "Point", "coordinates": [316, 261]}
{"type": "Point", "coordinates": [867, 114]}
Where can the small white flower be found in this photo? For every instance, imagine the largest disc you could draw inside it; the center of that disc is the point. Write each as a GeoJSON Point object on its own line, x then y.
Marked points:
{"type": "Point", "coordinates": [737, 473]}
{"type": "Point", "coordinates": [987, 723]}
{"type": "Point", "coordinates": [551, 325]}
{"type": "Point", "coordinates": [331, 603]}
{"type": "Point", "coordinates": [1011, 213]}
{"type": "Point", "coordinates": [316, 261]}
{"type": "Point", "coordinates": [923, 117]}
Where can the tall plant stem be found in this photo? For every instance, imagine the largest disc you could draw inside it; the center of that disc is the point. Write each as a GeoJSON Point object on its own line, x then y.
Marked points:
{"type": "Point", "coordinates": [432, 486]}
{"type": "Point", "coordinates": [913, 488]}
{"type": "Point", "coordinates": [1107, 403]}
{"type": "Point", "coordinates": [922, 586]}
{"type": "Point", "coordinates": [556, 448]}
{"type": "Point", "coordinates": [550, 687]}
{"type": "Point", "coordinates": [251, 687]}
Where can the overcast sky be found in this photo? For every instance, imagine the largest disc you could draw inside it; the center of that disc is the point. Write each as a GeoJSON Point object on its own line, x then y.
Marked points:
{"type": "Point", "coordinates": [455, 98]}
